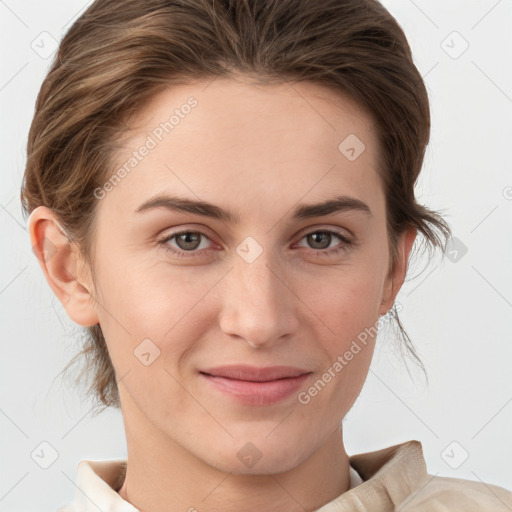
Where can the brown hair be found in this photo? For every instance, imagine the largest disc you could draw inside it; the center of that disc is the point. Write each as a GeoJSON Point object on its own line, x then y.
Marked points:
{"type": "Point", "coordinates": [118, 55]}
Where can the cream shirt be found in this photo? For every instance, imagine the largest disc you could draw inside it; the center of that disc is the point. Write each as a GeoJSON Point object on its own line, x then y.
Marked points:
{"type": "Point", "coordinates": [394, 478]}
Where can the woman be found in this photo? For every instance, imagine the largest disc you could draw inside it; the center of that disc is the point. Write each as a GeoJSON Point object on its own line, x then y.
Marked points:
{"type": "Point", "coordinates": [184, 160]}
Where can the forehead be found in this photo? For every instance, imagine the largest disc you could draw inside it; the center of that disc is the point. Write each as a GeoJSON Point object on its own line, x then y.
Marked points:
{"type": "Point", "coordinates": [228, 138]}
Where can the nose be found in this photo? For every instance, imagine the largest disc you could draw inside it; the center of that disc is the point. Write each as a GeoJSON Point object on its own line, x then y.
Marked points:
{"type": "Point", "coordinates": [258, 304]}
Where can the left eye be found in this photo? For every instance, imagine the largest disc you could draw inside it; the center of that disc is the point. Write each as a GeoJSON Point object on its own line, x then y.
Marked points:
{"type": "Point", "coordinates": [316, 237]}
{"type": "Point", "coordinates": [190, 241]}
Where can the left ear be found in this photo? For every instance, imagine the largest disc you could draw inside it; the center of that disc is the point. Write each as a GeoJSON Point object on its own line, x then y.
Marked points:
{"type": "Point", "coordinates": [396, 276]}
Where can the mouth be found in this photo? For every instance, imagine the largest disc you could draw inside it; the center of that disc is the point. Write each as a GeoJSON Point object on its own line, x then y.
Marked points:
{"type": "Point", "coordinates": [254, 373]}
{"type": "Point", "coordinates": [261, 387]}
{"type": "Point", "coordinates": [246, 380]}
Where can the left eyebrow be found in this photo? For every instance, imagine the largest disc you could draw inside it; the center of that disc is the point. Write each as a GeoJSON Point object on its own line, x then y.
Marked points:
{"type": "Point", "coordinates": [304, 211]}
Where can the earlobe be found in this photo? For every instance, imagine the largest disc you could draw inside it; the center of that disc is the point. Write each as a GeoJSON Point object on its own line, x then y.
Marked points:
{"type": "Point", "coordinates": [59, 260]}
{"type": "Point", "coordinates": [396, 277]}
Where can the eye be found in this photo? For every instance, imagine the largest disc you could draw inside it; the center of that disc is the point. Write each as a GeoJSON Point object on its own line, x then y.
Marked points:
{"type": "Point", "coordinates": [324, 238]}
{"type": "Point", "coordinates": [190, 242]}
{"type": "Point", "coordinates": [187, 241]}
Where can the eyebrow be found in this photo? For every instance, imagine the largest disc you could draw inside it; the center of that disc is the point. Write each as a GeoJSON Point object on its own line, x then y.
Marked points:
{"type": "Point", "coordinates": [305, 211]}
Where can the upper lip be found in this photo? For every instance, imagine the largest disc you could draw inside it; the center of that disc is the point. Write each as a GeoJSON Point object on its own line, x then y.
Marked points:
{"type": "Point", "coordinates": [254, 373]}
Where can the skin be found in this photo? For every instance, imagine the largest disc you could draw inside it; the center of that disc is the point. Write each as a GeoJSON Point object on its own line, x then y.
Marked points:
{"type": "Point", "coordinates": [259, 151]}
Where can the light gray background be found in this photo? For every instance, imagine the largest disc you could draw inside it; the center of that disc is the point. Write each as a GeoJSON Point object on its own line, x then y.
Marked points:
{"type": "Point", "coordinates": [457, 312]}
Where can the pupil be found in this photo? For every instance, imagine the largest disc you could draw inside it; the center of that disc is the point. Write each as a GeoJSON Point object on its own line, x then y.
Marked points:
{"type": "Point", "coordinates": [315, 238]}
{"type": "Point", "coordinates": [188, 238]}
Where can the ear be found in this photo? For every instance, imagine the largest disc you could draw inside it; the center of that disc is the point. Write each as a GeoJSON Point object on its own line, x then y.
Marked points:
{"type": "Point", "coordinates": [60, 260]}
{"type": "Point", "coordinates": [396, 276]}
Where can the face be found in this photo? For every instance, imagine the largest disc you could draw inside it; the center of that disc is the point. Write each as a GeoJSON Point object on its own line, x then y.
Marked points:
{"type": "Point", "coordinates": [258, 279]}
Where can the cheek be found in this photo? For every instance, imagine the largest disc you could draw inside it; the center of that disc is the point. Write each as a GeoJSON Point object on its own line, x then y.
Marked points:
{"type": "Point", "coordinates": [141, 301]}
{"type": "Point", "coordinates": [351, 301]}
{"type": "Point", "coordinates": [347, 354]}
{"type": "Point", "coordinates": [350, 308]}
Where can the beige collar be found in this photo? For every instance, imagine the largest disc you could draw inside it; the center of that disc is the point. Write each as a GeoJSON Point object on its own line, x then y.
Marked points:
{"type": "Point", "coordinates": [389, 476]}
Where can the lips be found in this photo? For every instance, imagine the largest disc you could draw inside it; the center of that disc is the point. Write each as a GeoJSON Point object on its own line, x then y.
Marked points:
{"type": "Point", "coordinates": [255, 386]}
{"type": "Point", "coordinates": [254, 373]}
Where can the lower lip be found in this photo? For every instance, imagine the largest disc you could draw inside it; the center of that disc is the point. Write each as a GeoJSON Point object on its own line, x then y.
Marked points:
{"type": "Point", "coordinates": [257, 393]}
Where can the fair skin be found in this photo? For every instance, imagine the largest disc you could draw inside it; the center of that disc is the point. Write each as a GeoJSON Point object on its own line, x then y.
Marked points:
{"type": "Point", "coordinates": [260, 152]}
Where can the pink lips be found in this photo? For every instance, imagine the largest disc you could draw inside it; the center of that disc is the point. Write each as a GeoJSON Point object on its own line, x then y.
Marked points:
{"type": "Point", "coordinates": [256, 386]}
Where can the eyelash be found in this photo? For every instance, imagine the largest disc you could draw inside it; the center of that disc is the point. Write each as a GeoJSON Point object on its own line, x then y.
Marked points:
{"type": "Point", "coordinates": [321, 252]}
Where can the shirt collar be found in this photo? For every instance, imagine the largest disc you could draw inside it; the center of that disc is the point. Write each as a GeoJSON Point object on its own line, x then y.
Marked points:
{"type": "Point", "coordinates": [389, 475]}
{"type": "Point", "coordinates": [392, 472]}
{"type": "Point", "coordinates": [97, 486]}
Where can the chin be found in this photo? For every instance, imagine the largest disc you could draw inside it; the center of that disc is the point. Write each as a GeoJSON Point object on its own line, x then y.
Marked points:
{"type": "Point", "coordinates": [257, 457]}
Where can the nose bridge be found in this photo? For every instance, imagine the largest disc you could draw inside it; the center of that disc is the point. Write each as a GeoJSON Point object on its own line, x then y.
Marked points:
{"type": "Point", "coordinates": [255, 262]}
{"type": "Point", "coordinates": [255, 274]}
{"type": "Point", "coordinates": [259, 281]}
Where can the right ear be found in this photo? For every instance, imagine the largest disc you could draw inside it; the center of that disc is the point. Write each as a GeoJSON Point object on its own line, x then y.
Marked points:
{"type": "Point", "coordinates": [60, 260]}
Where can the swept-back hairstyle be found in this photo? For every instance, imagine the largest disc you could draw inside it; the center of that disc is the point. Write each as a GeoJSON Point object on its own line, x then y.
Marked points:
{"type": "Point", "coordinates": [119, 54]}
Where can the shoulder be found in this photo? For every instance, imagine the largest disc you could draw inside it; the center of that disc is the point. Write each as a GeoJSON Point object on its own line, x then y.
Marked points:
{"type": "Point", "coordinates": [439, 494]}
{"type": "Point", "coordinates": [397, 477]}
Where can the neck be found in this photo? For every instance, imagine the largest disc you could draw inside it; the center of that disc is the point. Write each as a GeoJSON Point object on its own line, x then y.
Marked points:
{"type": "Point", "coordinates": [162, 476]}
